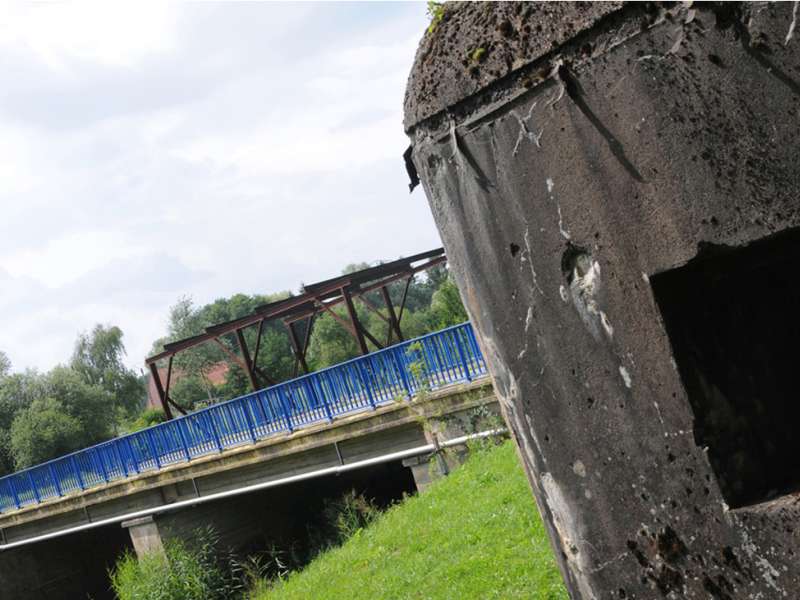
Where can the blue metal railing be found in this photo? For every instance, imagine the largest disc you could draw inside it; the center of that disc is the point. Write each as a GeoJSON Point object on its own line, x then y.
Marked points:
{"type": "Point", "coordinates": [428, 362]}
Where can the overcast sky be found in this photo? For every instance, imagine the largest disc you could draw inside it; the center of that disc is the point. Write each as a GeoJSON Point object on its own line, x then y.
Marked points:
{"type": "Point", "coordinates": [151, 151]}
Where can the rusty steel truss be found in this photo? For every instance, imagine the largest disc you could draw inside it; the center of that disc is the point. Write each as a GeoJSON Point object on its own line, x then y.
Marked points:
{"type": "Point", "coordinates": [315, 299]}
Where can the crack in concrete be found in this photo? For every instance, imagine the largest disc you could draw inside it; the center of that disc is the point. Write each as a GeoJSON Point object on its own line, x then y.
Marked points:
{"type": "Point", "coordinates": [792, 25]}
{"type": "Point", "coordinates": [524, 132]}
{"type": "Point", "coordinates": [530, 261]}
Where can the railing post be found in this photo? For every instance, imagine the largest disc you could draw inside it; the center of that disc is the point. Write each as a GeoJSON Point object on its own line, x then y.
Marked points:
{"type": "Point", "coordinates": [262, 401]}
{"type": "Point", "coordinates": [133, 456]}
{"type": "Point", "coordinates": [13, 489]}
{"type": "Point", "coordinates": [366, 383]}
{"type": "Point", "coordinates": [214, 431]}
{"type": "Point", "coordinates": [115, 444]}
{"type": "Point", "coordinates": [99, 458]}
{"type": "Point", "coordinates": [152, 444]}
{"type": "Point", "coordinates": [181, 425]}
{"type": "Point", "coordinates": [33, 489]}
{"type": "Point", "coordinates": [55, 479]}
{"type": "Point", "coordinates": [285, 409]}
{"type": "Point", "coordinates": [318, 398]}
{"type": "Point", "coordinates": [401, 368]}
{"type": "Point", "coordinates": [324, 400]}
{"type": "Point", "coordinates": [77, 472]}
{"type": "Point", "coordinates": [246, 411]}
{"type": "Point", "coordinates": [461, 354]}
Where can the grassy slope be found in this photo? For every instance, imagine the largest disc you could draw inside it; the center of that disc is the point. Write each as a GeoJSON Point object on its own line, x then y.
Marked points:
{"type": "Point", "coordinates": [475, 534]}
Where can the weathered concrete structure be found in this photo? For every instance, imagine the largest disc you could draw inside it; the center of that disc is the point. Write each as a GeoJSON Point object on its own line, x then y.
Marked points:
{"type": "Point", "coordinates": [306, 466]}
{"type": "Point", "coordinates": [617, 189]}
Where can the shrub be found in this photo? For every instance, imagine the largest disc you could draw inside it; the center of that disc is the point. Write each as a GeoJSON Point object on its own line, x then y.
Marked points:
{"type": "Point", "coordinates": [148, 418]}
{"type": "Point", "coordinates": [348, 514]}
{"type": "Point", "coordinates": [183, 572]}
{"type": "Point", "coordinates": [42, 431]}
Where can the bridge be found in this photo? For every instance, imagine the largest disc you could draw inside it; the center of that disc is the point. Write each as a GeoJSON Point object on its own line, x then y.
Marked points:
{"type": "Point", "coordinates": [383, 415]}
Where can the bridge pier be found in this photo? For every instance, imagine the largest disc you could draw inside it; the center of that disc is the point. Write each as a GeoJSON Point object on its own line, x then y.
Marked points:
{"type": "Point", "coordinates": [145, 536]}
{"type": "Point", "coordinates": [423, 471]}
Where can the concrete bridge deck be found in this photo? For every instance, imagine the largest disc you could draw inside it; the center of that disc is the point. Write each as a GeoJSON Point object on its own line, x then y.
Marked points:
{"type": "Point", "coordinates": [388, 431]}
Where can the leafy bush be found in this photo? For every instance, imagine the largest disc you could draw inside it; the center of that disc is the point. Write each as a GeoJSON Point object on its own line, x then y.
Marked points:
{"type": "Point", "coordinates": [150, 417]}
{"type": "Point", "coordinates": [184, 572]}
{"type": "Point", "coordinates": [346, 515]}
{"type": "Point", "coordinates": [44, 430]}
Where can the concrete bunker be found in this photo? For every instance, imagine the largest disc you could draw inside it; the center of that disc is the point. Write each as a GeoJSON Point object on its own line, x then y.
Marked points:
{"type": "Point", "coordinates": [730, 315]}
{"type": "Point", "coordinates": [652, 417]}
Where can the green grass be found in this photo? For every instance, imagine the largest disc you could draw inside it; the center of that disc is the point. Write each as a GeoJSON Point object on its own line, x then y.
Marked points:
{"type": "Point", "coordinates": [474, 534]}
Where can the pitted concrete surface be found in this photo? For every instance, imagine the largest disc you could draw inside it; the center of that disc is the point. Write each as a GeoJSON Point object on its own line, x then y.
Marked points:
{"type": "Point", "coordinates": [562, 179]}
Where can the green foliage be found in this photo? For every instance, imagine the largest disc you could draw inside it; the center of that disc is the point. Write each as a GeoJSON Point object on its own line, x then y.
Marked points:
{"type": "Point", "coordinates": [5, 364]}
{"type": "Point", "coordinates": [88, 403]}
{"type": "Point", "coordinates": [98, 359]}
{"type": "Point", "coordinates": [236, 383]}
{"type": "Point", "coordinates": [148, 418]}
{"type": "Point", "coordinates": [43, 416]}
{"type": "Point", "coordinates": [446, 306]}
{"type": "Point", "coordinates": [183, 573]}
{"type": "Point", "coordinates": [192, 392]}
{"type": "Point", "coordinates": [62, 413]}
{"type": "Point", "coordinates": [474, 534]}
{"type": "Point", "coordinates": [341, 519]}
{"type": "Point", "coordinates": [331, 342]}
{"type": "Point", "coordinates": [17, 391]}
{"type": "Point", "coordinates": [42, 431]}
{"type": "Point", "coordinates": [477, 55]}
{"type": "Point", "coordinates": [435, 13]}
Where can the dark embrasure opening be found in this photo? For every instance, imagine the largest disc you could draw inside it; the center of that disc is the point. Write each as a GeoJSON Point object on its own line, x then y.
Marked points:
{"type": "Point", "coordinates": [731, 315]}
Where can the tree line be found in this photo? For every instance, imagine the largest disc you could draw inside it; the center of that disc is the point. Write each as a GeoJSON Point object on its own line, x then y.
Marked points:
{"type": "Point", "coordinates": [94, 396]}
{"type": "Point", "coordinates": [78, 404]}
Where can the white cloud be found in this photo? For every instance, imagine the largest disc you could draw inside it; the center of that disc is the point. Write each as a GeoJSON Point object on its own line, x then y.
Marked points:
{"type": "Point", "coordinates": [108, 33]}
{"type": "Point", "coordinates": [200, 149]}
{"type": "Point", "coordinates": [61, 260]}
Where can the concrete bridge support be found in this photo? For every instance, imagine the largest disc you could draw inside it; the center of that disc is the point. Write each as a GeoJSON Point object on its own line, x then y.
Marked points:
{"type": "Point", "coordinates": [145, 535]}
{"type": "Point", "coordinates": [616, 186]}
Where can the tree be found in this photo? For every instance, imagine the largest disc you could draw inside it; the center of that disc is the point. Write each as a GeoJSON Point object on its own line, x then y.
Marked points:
{"type": "Point", "coordinates": [42, 431]}
{"type": "Point", "coordinates": [92, 405]}
{"type": "Point", "coordinates": [330, 343]}
{"type": "Point", "coordinates": [5, 364]}
{"type": "Point", "coordinates": [148, 418]}
{"type": "Point", "coordinates": [192, 392]}
{"type": "Point", "coordinates": [98, 359]}
{"type": "Point", "coordinates": [61, 414]}
{"type": "Point", "coordinates": [17, 392]}
{"type": "Point", "coordinates": [446, 306]}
